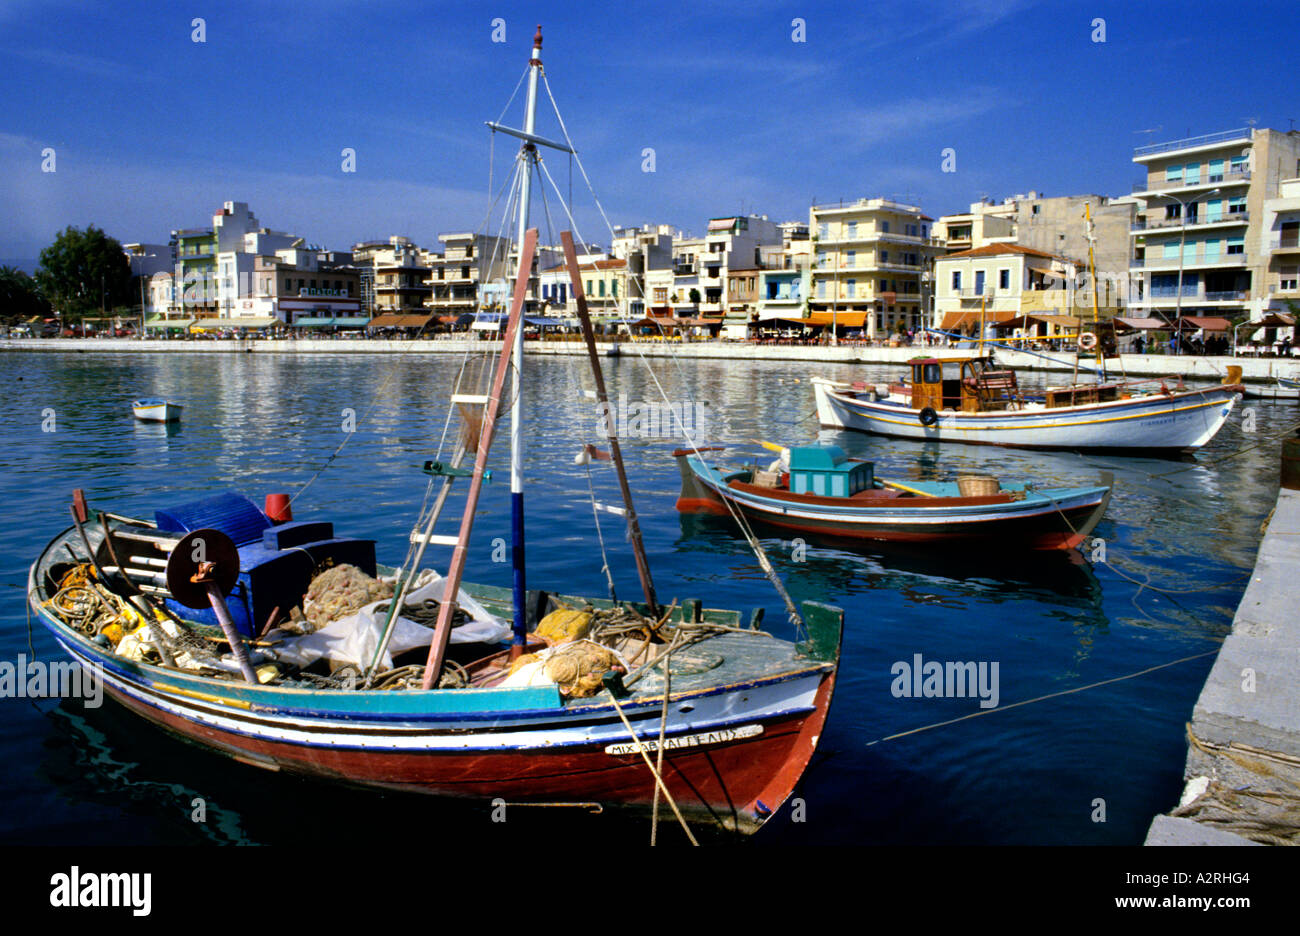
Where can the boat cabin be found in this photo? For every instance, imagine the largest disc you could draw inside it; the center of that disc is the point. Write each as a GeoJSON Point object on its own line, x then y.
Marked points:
{"type": "Point", "coordinates": [971, 385]}
{"type": "Point", "coordinates": [825, 470]}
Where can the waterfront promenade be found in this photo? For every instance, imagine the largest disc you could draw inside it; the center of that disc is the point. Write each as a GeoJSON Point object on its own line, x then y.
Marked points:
{"type": "Point", "coordinates": [1133, 365]}
{"type": "Point", "coordinates": [1243, 760]}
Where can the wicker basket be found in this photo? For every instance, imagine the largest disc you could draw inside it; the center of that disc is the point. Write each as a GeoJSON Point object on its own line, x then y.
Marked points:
{"type": "Point", "coordinates": [977, 485]}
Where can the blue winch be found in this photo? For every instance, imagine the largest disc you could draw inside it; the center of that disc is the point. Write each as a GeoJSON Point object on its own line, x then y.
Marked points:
{"type": "Point", "coordinates": [276, 561]}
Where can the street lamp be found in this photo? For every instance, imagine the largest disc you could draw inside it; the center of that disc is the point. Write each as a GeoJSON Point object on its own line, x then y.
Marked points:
{"type": "Point", "coordinates": [1182, 243]}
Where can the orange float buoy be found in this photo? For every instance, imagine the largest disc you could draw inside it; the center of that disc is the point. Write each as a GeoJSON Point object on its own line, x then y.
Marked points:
{"type": "Point", "coordinates": [277, 508]}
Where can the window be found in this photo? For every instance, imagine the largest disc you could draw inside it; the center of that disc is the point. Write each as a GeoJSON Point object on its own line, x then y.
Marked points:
{"type": "Point", "coordinates": [824, 230]}
{"type": "Point", "coordinates": [979, 282]}
{"type": "Point", "coordinates": [1171, 250]}
{"type": "Point", "coordinates": [956, 280]}
{"type": "Point", "coordinates": [1037, 208]}
{"type": "Point", "coordinates": [1238, 163]}
{"type": "Point", "coordinates": [1216, 171]}
{"type": "Point", "coordinates": [884, 227]}
{"type": "Point", "coordinates": [1174, 174]}
{"type": "Point", "coordinates": [851, 259]}
{"type": "Point", "coordinates": [1004, 277]}
{"type": "Point", "coordinates": [853, 229]}
{"type": "Point", "coordinates": [821, 289]}
{"type": "Point", "coordinates": [1192, 173]}
{"type": "Point", "coordinates": [614, 288]}
{"type": "Point", "coordinates": [852, 287]}
{"type": "Point", "coordinates": [821, 259]}
{"type": "Point", "coordinates": [884, 256]}
{"type": "Point", "coordinates": [1237, 204]}
{"type": "Point", "coordinates": [1173, 212]}
{"type": "Point", "coordinates": [602, 288]}
{"type": "Point", "coordinates": [1236, 245]}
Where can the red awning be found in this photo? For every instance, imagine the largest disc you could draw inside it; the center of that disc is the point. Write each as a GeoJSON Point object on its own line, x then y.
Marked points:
{"type": "Point", "coordinates": [1211, 323]}
{"type": "Point", "coordinates": [953, 320]}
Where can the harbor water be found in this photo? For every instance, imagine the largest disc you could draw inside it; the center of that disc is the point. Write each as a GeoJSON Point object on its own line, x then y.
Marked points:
{"type": "Point", "coordinates": [1170, 562]}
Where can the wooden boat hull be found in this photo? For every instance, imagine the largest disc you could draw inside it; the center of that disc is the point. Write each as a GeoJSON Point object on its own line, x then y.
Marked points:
{"type": "Point", "coordinates": [735, 749]}
{"type": "Point", "coordinates": [1177, 420]}
{"type": "Point", "coordinates": [1055, 519]}
{"type": "Point", "coordinates": [156, 411]}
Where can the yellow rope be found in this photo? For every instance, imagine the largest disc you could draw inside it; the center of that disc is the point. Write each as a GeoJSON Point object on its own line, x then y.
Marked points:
{"type": "Point", "coordinates": [640, 749]}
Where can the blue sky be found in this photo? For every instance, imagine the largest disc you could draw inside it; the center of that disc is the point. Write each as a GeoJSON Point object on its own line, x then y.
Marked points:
{"type": "Point", "coordinates": [152, 131]}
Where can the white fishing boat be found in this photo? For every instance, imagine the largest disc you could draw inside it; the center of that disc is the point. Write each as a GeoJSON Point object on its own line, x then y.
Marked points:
{"type": "Point", "coordinates": [1281, 388]}
{"type": "Point", "coordinates": [151, 410]}
{"type": "Point", "coordinates": [976, 401]}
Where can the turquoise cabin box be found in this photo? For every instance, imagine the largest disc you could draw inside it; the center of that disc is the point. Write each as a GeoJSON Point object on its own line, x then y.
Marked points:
{"type": "Point", "coordinates": [827, 471]}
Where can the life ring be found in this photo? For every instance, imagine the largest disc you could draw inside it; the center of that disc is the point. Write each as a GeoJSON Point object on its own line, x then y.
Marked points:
{"type": "Point", "coordinates": [1087, 341]}
{"type": "Point", "coordinates": [928, 416]}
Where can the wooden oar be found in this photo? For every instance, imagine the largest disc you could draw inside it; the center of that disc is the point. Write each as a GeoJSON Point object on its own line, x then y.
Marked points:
{"type": "Point", "coordinates": [772, 446]}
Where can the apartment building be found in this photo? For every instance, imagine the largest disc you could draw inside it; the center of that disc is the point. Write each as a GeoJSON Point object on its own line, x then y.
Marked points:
{"type": "Point", "coordinates": [645, 249]}
{"type": "Point", "coordinates": [1054, 225]}
{"type": "Point", "coordinates": [1203, 222]}
{"type": "Point", "coordinates": [400, 274]}
{"type": "Point", "coordinates": [1280, 243]}
{"type": "Point", "coordinates": [1002, 282]}
{"type": "Point", "coordinates": [458, 276]}
{"type": "Point", "coordinates": [872, 265]}
{"type": "Point", "coordinates": [605, 283]}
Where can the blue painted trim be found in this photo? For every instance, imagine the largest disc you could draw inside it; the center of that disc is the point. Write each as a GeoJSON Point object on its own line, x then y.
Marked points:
{"type": "Point", "coordinates": [517, 559]}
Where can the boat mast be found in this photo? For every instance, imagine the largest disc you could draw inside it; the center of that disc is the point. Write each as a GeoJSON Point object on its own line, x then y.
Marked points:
{"type": "Point", "coordinates": [611, 428]}
{"type": "Point", "coordinates": [527, 158]}
{"type": "Point", "coordinates": [1092, 274]}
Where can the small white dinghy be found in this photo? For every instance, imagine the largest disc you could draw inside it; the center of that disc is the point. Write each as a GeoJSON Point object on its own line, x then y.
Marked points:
{"type": "Point", "coordinates": [156, 411]}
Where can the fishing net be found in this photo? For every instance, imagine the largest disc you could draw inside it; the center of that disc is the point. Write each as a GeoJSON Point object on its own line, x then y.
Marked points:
{"type": "Point", "coordinates": [341, 591]}
{"type": "Point", "coordinates": [475, 381]}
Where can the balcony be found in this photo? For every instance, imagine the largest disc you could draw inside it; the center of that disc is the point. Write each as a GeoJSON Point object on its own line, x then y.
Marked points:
{"type": "Point", "coordinates": [1166, 224]}
{"type": "Point", "coordinates": [1153, 185]}
{"type": "Point", "coordinates": [1206, 139]}
{"type": "Point", "coordinates": [1284, 243]}
{"type": "Point", "coordinates": [1172, 263]}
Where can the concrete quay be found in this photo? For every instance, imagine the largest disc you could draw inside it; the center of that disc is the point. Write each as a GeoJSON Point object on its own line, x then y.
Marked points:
{"type": "Point", "coordinates": [1243, 762]}
{"type": "Point", "coordinates": [1134, 365]}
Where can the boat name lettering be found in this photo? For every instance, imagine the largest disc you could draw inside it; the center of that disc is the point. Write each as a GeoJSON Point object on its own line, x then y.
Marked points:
{"type": "Point", "coordinates": [696, 740]}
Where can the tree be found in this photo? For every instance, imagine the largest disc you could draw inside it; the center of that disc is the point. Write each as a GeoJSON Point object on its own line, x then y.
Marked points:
{"type": "Point", "coordinates": [84, 271]}
{"type": "Point", "coordinates": [20, 298]}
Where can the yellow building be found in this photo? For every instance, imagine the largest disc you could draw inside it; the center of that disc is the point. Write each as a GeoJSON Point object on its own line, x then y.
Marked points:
{"type": "Point", "coordinates": [872, 263]}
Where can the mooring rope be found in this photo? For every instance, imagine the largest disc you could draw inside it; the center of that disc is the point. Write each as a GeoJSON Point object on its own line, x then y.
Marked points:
{"type": "Point", "coordinates": [1050, 695]}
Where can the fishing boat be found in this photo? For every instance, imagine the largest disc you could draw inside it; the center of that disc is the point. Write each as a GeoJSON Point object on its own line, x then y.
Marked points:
{"type": "Point", "coordinates": [818, 490]}
{"type": "Point", "coordinates": [594, 702]}
{"type": "Point", "coordinates": [1281, 388]}
{"type": "Point", "coordinates": [974, 399]}
{"type": "Point", "coordinates": [151, 410]}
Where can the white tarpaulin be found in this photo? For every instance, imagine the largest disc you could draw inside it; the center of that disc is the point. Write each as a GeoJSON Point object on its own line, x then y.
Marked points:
{"type": "Point", "coordinates": [354, 639]}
